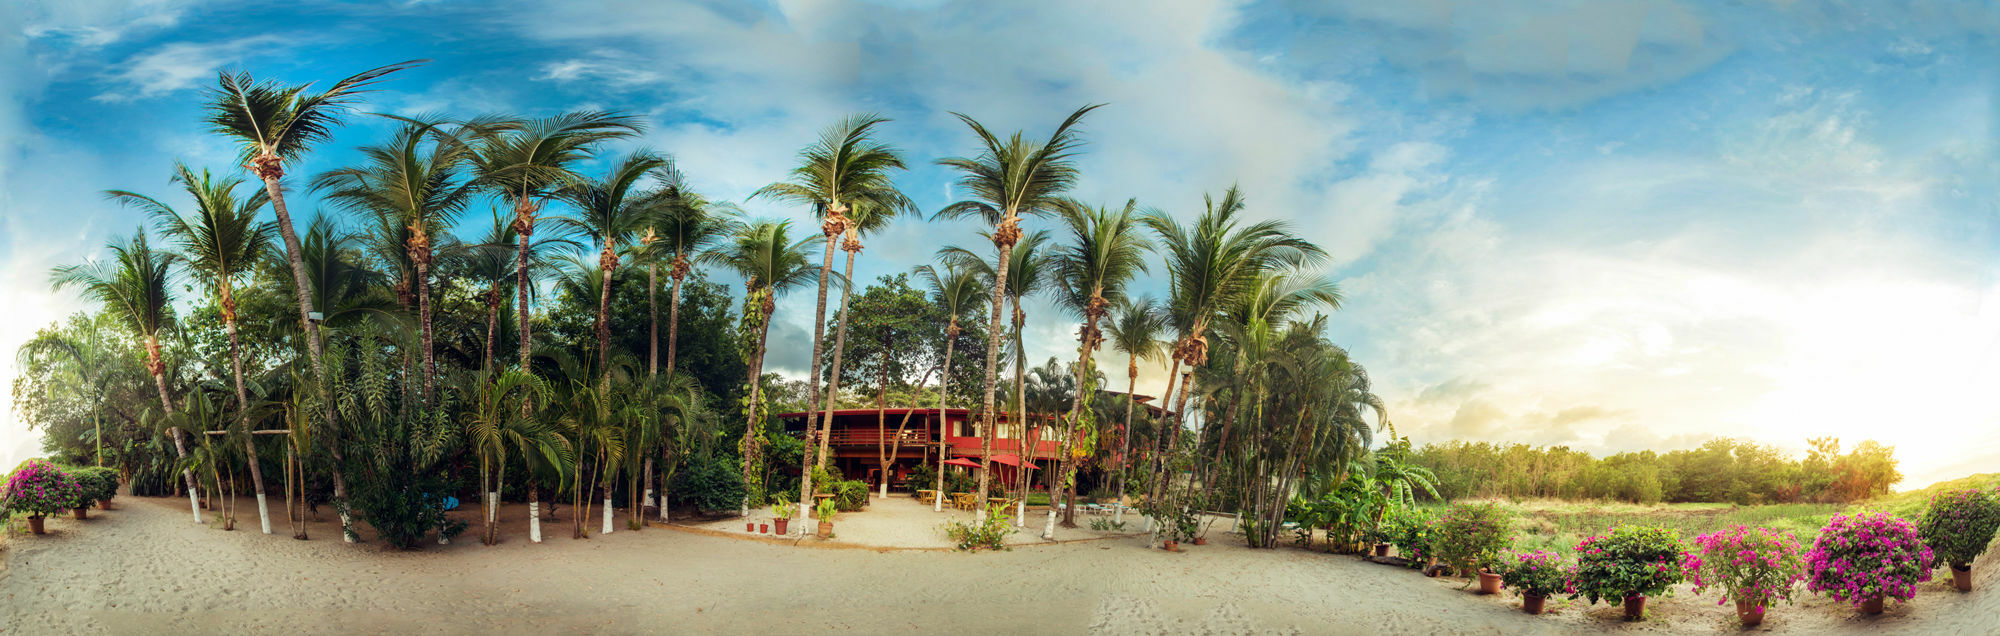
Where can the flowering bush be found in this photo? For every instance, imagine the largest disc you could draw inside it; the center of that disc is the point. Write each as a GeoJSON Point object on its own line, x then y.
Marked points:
{"type": "Point", "coordinates": [1470, 536]}
{"type": "Point", "coordinates": [1410, 530]}
{"type": "Point", "coordinates": [39, 489]}
{"type": "Point", "coordinates": [1959, 524]}
{"type": "Point", "coordinates": [1538, 573]}
{"type": "Point", "coordinates": [1752, 565]}
{"type": "Point", "coordinates": [1631, 561]}
{"type": "Point", "coordinates": [1866, 557]}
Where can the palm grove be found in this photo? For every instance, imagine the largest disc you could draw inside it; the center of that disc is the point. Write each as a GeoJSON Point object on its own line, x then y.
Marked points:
{"type": "Point", "coordinates": [507, 297]}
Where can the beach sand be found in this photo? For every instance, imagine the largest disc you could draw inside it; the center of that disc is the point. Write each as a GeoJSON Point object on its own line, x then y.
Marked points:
{"type": "Point", "coordinates": [144, 567]}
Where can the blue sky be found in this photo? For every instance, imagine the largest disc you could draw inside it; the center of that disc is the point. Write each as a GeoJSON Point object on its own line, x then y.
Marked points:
{"type": "Point", "coordinates": [1613, 225]}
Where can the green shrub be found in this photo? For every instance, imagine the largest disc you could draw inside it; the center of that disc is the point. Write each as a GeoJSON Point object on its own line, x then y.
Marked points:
{"type": "Point", "coordinates": [990, 534]}
{"type": "Point", "coordinates": [101, 483]}
{"type": "Point", "coordinates": [1959, 524]}
{"type": "Point", "coordinates": [710, 485]}
{"type": "Point", "coordinates": [403, 511]}
{"type": "Point", "coordinates": [1538, 573]}
{"type": "Point", "coordinates": [850, 496]}
{"type": "Point", "coordinates": [1470, 536]}
{"type": "Point", "coordinates": [1631, 561]}
{"type": "Point", "coordinates": [1410, 529]}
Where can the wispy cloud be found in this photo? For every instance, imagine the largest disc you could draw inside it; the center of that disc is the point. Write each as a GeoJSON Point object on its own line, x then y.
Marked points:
{"type": "Point", "coordinates": [179, 66]}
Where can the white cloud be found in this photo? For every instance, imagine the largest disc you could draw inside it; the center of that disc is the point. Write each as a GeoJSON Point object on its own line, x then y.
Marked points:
{"type": "Point", "coordinates": [179, 66]}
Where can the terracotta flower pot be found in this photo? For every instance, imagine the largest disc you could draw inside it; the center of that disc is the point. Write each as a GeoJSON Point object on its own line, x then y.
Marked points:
{"type": "Point", "coordinates": [1171, 546]}
{"type": "Point", "coordinates": [1635, 607]}
{"type": "Point", "coordinates": [825, 529]}
{"type": "Point", "coordinates": [1381, 549]}
{"type": "Point", "coordinates": [104, 504]}
{"type": "Point", "coordinates": [1489, 583]}
{"type": "Point", "coordinates": [1751, 614]}
{"type": "Point", "coordinates": [749, 526]}
{"type": "Point", "coordinates": [35, 525]}
{"type": "Point", "coordinates": [763, 528]}
{"type": "Point", "coordinates": [80, 513]}
{"type": "Point", "coordinates": [783, 524]}
{"type": "Point", "coordinates": [1532, 603]}
{"type": "Point", "coordinates": [1201, 540]}
{"type": "Point", "coordinates": [1961, 577]}
{"type": "Point", "coordinates": [1872, 606]}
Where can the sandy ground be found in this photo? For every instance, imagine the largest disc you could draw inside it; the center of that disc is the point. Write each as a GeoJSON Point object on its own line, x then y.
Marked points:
{"type": "Point", "coordinates": [146, 568]}
{"type": "Point", "coordinates": [899, 521]}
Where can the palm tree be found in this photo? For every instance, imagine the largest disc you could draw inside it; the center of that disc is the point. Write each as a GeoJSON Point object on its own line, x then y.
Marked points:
{"type": "Point", "coordinates": [1210, 263]}
{"type": "Point", "coordinates": [958, 292]}
{"type": "Point", "coordinates": [1105, 251]}
{"type": "Point", "coordinates": [772, 264]}
{"type": "Point", "coordinates": [221, 242]}
{"type": "Point", "coordinates": [526, 163]}
{"type": "Point", "coordinates": [1006, 180]}
{"type": "Point", "coordinates": [680, 224]}
{"type": "Point", "coordinates": [274, 124]}
{"type": "Point", "coordinates": [414, 187]}
{"type": "Point", "coordinates": [1250, 324]}
{"type": "Point", "coordinates": [846, 170]}
{"type": "Point", "coordinates": [1137, 329]}
{"type": "Point", "coordinates": [1031, 268]}
{"type": "Point", "coordinates": [135, 287]}
{"type": "Point", "coordinates": [610, 213]}
{"type": "Point", "coordinates": [494, 424]}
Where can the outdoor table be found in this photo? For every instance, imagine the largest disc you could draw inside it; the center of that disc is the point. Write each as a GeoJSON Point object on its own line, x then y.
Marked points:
{"type": "Point", "coordinates": [926, 496]}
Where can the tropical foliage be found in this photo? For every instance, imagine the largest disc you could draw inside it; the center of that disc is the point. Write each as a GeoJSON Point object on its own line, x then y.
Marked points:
{"type": "Point", "coordinates": [1629, 561]}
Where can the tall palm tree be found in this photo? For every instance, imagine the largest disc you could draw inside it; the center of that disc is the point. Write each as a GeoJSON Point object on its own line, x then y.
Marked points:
{"type": "Point", "coordinates": [1137, 330]}
{"type": "Point", "coordinates": [957, 290]}
{"type": "Point", "coordinates": [526, 163]}
{"type": "Point", "coordinates": [135, 287]}
{"type": "Point", "coordinates": [221, 242]}
{"type": "Point", "coordinates": [772, 264]}
{"type": "Point", "coordinates": [1031, 268]}
{"type": "Point", "coordinates": [610, 212]}
{"type": "Point", "coordinates": [1211, 263]}
{"type": "Point", "coordinates": [414, 187]}
{"type": "Point", "coordinates": [865, 219]}
{"type": "Point", "coordinates": [1008, 179]}
{"type": "Point", "coordinates": [1250, 323]}
{"type": "Point", "coordinates": [845, 170]}
{"type": "Point", "coordinates": [680, 225]}
{"type": "Point", "coordinates": [1105, 251]}
{"type": "Point", "coordinates": [274, 124]}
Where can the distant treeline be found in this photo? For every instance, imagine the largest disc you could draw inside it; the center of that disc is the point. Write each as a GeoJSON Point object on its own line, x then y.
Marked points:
{"type": "Point", "coordinates": [1722, 470]}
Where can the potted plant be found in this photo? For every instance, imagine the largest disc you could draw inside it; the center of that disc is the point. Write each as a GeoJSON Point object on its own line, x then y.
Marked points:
{"type": "Point", "coordinates": [1470, 537]}
{"type": "Point", "coordinates": [39, 489]}
{"type": "Point", "coordinates": [102, 484]}
{"type": "Point", "coordinates": [1957, 527]}
{"type": "Point", "coordinates": [1534, 576]}
{"type": "Point", "coordinates": [1753, 566]}
{"type": "Point", "coordinates": [1864, 559]}
{"type": "Point", "coordinates": [1630, 564]}
{"type": "Point", "coordinates": [781, 516]}
{"type": "Point", "coordinates": [826, 510]}
{"type": "Point", "coordinates": [1410, 531]}
{"type": "Point", "coordinates": [1378, 535]}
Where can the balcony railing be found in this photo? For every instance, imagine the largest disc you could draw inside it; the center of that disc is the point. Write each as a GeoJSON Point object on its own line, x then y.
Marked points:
{"type": "Point", "coordinates": [872, 437]}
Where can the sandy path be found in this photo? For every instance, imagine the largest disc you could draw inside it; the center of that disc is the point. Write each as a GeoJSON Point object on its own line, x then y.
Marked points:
{"type": "Point", "coordinates": [145, 568]}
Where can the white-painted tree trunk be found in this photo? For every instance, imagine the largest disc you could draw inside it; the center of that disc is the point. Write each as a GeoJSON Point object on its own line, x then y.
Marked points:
{"type": "Point", "coordinates": [492, 506]}
{"type": "Point", "coordinates": [263, 513]}
{"type": "Point", "coordinates": [1021, 513]}
{"type": "Point", "coordinates": [346, 527]}
{"type": "Point", "coordinates": [194, 503]}
{"type": "Point", "coordinates": [663, 507]}
{"type": "Point", "coordinates": [885, 489]}
{"type": "Point", "coordinates": [607, 515]}
{"type": "Point", "coordinates": [535, 521]}
{"type": "Point", "coordinates": [1118, 516]}
{"type": "Point", "coordinates": [1049, 528]}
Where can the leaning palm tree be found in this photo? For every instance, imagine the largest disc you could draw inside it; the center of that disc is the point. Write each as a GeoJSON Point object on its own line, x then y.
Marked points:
{"type": "Point", "coordinates": [610, 212]}
{"type": "Point", "coordinates": [1137, 330]}
{"type": "Point", "coordinates": [526, 163]}
{"type": "Point", "coordinates": [846, 170]}
{"type": "Point", "coordinates": [221, 242]}
{"type": "Point", "coordinates": [958, 292]}
{"type": "Point", "coordinates": [414, 187]}
{"type": "Point", "coordinates": [772, 264]}
{"type": "Point", "coordinates": [1210, 264]}
{"type": "Point", "coordinates": [275, 124]}
{"type": "Point", "coordinates": [1008, 179]}
{"type": "Point", "coordinates": [135, 286]}
{"type": "Point", "coordinates": [1104, 252]}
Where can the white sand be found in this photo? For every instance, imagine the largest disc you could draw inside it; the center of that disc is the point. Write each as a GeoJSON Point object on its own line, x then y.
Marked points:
{"type": "Point", "coordinates": [144, 568]}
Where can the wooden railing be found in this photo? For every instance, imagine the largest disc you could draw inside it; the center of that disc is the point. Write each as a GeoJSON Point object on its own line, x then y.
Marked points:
{"type": "Point", "coordinates": [872, 437]}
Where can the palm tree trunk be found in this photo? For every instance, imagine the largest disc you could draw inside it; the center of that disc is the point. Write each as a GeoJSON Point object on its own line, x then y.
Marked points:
{"type": "Point", "coordinates": [303, 284]}
{"type": "Point", "coordinates": [832, 230]}
{"type": "Point", "coordinates": [492, 323]}
{"type": "Point", "coordinates": [882, 427]}
{"type": "Point", "coordinates": [424, 317]}
{"type": "Point", "coordinates": [994, 329]}
{"type": "Point", "coordinates": [1125, 439]}
{"type": "Point", "coordinates": [499, 484]}
{"type": "Point", "coordinates": [609, 263]}
{"type": "Point", "coordinates": [1068, 466]}
{"type": "Point", "coordinates": [653, 326]}
{"type": "Point", "coordinates": [839, 349]}
{"type": "Point", "coordinates": [674, 326]}
{"type": "Point", "coordinates": [750, 446]}
{"type": "Point", "coordinates": [534, 511]}
{"type": "Point", "coordinates": [1026, 442]}
{"type": "Point", "coordinates": [524, 220]}
{"type": "Point", "coordinates": [944, 436]}
{"type": "Point", "coordinates": [1160, 448]}
{"type": "Point", "coordinates": [167, 403]}
{"type": "Point", "coordinates": [242, 404]}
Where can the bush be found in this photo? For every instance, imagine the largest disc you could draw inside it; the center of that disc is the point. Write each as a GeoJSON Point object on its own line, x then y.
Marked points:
{"type": "Point", "coordinates": [1752, 565]}
{"type": "Point", "coordinates": [1631, 561]}
{"type": "Point", "coordinates": [1538, 573]}
{"type": "Point", "coordinates": [990, 534]}
{"type": "Point", "coordinates": [850, 496]}
{"type": "Point", "coordinates": [1410, 530]}
{"type": "Point", "coordinates": [100, 483]}
{"type": "Point", "coordinates": [1959, 524]}
{"type": "Point", "coordinates": [1470, 536]}
{"type": "Point", "coordinates": [403, 511]}
{"type": "Point", "coordinates": [1865, 557]}
{"type": "Point", "coordinates": [38, 489]}
{"type": "Point", "coordinates": [709, 485]}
